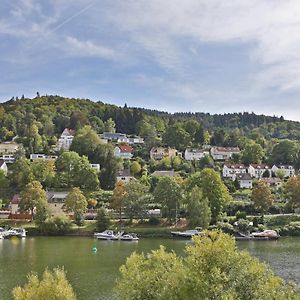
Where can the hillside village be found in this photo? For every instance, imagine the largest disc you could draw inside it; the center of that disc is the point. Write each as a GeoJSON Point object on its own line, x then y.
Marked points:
{"type": "Point", "coordinates": [93, 156]}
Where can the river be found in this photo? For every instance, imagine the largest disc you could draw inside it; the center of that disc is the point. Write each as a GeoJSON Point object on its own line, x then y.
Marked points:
{"type": "Point", "coordinates": [93, 275]}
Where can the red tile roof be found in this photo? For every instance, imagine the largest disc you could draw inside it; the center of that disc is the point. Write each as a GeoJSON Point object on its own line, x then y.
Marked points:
{"type": "Point", "coordinates": [125, 148]}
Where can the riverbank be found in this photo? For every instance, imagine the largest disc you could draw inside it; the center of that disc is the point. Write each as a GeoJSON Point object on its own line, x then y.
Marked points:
{"type": "Point", "coordinates": [285, 225]}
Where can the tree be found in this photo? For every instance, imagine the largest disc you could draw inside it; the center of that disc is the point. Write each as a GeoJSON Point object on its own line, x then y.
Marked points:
{"type": "Point", "coordinates": [73, 170]}
{"type": "Point", "coordinates": [33, 196]}
{"type": "Point", "coordinates": [262, 197]}
{"type": "Point", "coordinates": [43, 171]}
{"type": "Point", "coordinates": [85, 141]}
{"type": "Point", "coordinates": [176, 136]}
{"type": "Point", "coordinates": [215, 191]}
{"type": "Point", "coordinates": [169, 194]}
{"type": "Point", "coordinates": [199, 213]}
{"type": "Point", "coordinates": [53, 285]}
{"type": "Point", "coordinates": [110, 126]}
{"type": "Point", "coordinates": [213, 268]}
{"type": "Point", "coordinates": [285, 152]}
{"type": "Point", "coordinates": [292, 191]}
{"type": "Point", "coordinates": [135, 167]}
{"type": "Point", "coordinates": [135, 200]}
{"type": "Point", "coordinates": [102, 219]}
{"type": "Point", "coordinates": [21, 173]}
{"type": "Point", "coordinates": [118, 196]}
{"type": "Point", "coordinates": [253, 153]}
{"type": "Point", "coordinates": [77, 120]}
{"type": "Point", "coordinates": [76, 202]}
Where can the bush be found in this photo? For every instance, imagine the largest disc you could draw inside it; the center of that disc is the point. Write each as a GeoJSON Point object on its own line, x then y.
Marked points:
{"type": "Point", "coordinates": [292, 229]}
{"type": "Point", "coordinates": [282, 220]}
{"type": "Point", "coordinates": [226, 227]}
{"type": "Point", "coordinates": [234, 206]}
{"type": "Point", "coordinates": [240, 215]}
{"type": "Point", "coordinates": [103, 219]}
{"type": "Point", "coordinates": [154, 221]}
{"type": "Point", "coordinates": [243, 225]}
{"type": "Point", "coordinates": [53, 285]}
{"type": "Point", "coordinates": [56, 225]}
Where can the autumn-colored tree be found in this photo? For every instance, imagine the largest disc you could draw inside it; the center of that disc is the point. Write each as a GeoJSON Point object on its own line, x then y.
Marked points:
{"type": "Point", "coordinates": [292, 191]}
{"type": "Point", "coordinates": [33, 196]}
{"type": "Point", "coordinates": [76, 202]}
{"type": "Point", "coordinates": [118, 196]}
{"type": "Point", "coordinates": [262, 197]}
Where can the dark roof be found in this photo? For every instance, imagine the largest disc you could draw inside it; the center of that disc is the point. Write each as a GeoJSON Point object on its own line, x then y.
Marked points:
{"type": "Point", "coordinates": [16, 199]}
{"type": "Point", "coordinates": [260, 166]}
{"type": "Point", "coordinates": [124, 173]}
{"type": "Point", "coordinates": [235, 166]}
{"type": "Point", "coordinates": [244, 176]}
{"type": "Point", "coordinates": [1, 162]}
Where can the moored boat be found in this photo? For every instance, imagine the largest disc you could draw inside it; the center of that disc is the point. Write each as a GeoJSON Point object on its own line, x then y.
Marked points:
{"type": "Point", "coordinates": [266, 234]}
{"type": "Point", "coordinates": [130, 237]}
{"type": "Point", "coordinates": [107, 235]}
{"type": "Point", "coordinates": [185, 234]}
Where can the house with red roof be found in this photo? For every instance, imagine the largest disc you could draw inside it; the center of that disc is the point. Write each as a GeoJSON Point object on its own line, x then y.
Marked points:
{"type": "Point", "coordinates": [123, 151]}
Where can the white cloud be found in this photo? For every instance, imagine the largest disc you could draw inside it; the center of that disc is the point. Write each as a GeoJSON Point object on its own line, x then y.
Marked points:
{"type": "Point", "coordinates": [87, 48]}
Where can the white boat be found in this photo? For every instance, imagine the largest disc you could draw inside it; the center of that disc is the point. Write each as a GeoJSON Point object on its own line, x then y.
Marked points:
{"type": "Point", "coordinates": [266, 234]}
{"type": "Point", "coordinates": [130, 237]}
{"type": "Point", "coordinates": [107, 235]}
{"type": "Point", "coordinates": [185, 234]}
{"type": "Point", "coordinates": [17, 232]}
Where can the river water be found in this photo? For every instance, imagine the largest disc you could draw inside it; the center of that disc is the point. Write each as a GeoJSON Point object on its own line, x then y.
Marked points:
{"type": "Point", "coordinates": [93, 275]}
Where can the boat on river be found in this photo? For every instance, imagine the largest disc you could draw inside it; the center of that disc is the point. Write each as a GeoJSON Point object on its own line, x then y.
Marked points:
{"type": "Point", "coordinates": [261, 236]}
{"type": "Point", "coordinates": [129, 237]}
{"type": "Point", "coordinates": [108, 235]}
{"type": "Point", "coordinates": [185, 234]}
{"type": "Point", "coordinates": [13, 232]}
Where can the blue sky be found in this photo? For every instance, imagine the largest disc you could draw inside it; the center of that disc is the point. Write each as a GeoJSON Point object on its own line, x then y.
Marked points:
{"type": "Point", "coordinates": [172, 55]}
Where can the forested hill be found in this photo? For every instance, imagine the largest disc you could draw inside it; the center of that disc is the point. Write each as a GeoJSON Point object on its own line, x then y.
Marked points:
{"type": "Point", "coordinates": [53, 113]}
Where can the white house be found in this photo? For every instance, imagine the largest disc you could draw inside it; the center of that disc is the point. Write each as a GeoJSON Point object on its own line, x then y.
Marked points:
{"type": "Point", "coordinates": [195, 154]}
{"type": "Point", "coordinates": [34, 156]}
{"type": "Point", "coordinates": [231, 170]}
{"type": "Point", "coordinates": [287, 170]}
{"type": "Point", "coordinates": [3, 166]}
{"type": "Point", "coordinates": [96, 167]}
{"type": "Point", "coordinates": [66, 139]}
{"type": "Point", "coordinates": [8, 151]}
{"type": "Point", "coordinates": [124, 175]}
{"type": "Point", "coordinates": [123, 151]}
{"type": "Point", "coordinates": [257, 170]}
{"type": "Point", "coordinates": [245, 180]}
{"type": "Point", "coordinates": [223, 153]}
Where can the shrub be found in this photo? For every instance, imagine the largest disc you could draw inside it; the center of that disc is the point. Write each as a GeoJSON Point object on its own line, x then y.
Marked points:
{"type": "Point", "coordinates": [154, 221]}
{"type": "Point", "coordinates": [292, 229]}
{"type": "Point", "coordinates": [53, 285]}
{"type": "Point", "coordinates": [240, 215]}
{"type": "Point", "coordinates": [282, 220]}
{"type": "Point", "coordinates": [226, 227]}
{"type": "Point", "coordinates": [56, 225]}
{"type": "Point", "coordinates": [244, 225]}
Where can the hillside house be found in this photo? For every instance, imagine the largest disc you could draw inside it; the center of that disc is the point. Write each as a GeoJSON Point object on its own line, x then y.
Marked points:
{"type": "Point", "coordinates": [113, 136]}
{"type": "Point", "coordinates": [231, 170]}
{"type": "Point", "coordinates": [245, 180]}
{"type": "Point", "coordinates": [158, 153]}
{"type": "Point", "coordinates": [95, 167]}
{"type": "Point", "coordinates": [66, 139]}
{"type": "Point", "coordinates": [124, 175]}
{"type": "Point", "coordinates": [8, 151]}
{"type": "Point", "coordinates": [223, 153]}
{"type": "Point", "coordinates": [123, 151]}
{"type": "Point", "coordinates": [56, 201]}
{"type": "Point", "coordinates": [195, 154]}
{"type": "Point", "coordinates": [3, 167]}
{"type": "Point", "coordinates": [287, 170]}
{"type": "Point", "coordinates": [257, 170]}
{"type": "Point", "coordinates": [42, 156]}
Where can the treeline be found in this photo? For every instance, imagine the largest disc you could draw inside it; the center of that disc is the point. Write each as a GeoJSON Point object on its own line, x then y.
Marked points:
{"type": "Point", "coordinates": [51, 114]}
